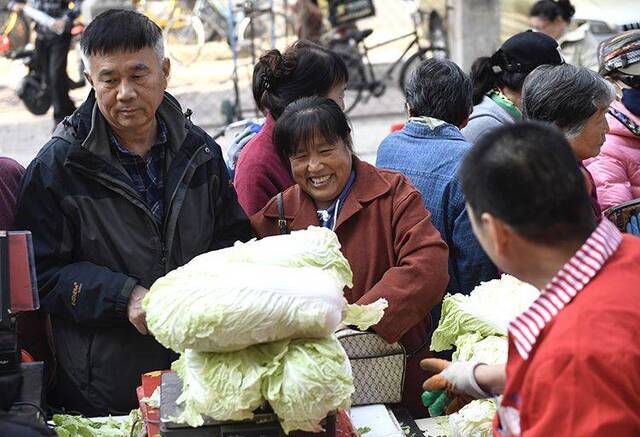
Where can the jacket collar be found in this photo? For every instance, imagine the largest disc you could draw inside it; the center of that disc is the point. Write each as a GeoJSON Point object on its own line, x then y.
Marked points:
{"type": "Point", "coordinates": [565, 285]}
{"type": "Point", "coordinates": [575, 35]}
{"type": "Point", "coordinates": [88, 127]}
{"type": "Point", "coordinates": [443, 131]}
{"type": "Point", "coordinates": [300, 209]}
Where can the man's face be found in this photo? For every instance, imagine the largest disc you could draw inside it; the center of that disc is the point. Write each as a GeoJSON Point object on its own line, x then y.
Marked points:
{"type": "Point", "coordinates": [129, 87]}
{"type": "Point", "coordinates": [493, 239]}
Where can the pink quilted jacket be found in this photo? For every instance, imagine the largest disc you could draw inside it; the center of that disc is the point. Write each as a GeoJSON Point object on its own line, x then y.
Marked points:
{"type": "Point", "coordinates": [616, 170]}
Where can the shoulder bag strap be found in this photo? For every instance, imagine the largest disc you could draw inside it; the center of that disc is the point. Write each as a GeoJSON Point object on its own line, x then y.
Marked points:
{"type": "Point", "coordinates": [282, 223]}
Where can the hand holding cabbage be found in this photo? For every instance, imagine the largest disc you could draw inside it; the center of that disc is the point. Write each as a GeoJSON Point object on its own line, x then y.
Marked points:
{"type": "Point", "coordinates": [477, 326]}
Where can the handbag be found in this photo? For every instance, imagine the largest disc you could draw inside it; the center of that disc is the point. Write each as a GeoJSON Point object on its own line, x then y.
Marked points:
{"type": "Point", "coordinates": [379, 368]}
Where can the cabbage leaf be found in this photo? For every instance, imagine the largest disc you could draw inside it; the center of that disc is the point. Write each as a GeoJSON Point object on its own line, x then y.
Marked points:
{"type": "Point", "coordinates": [313, 379]}
{"type": "Point", "coordinates": [224, 386]}
{"type": "Point", "coordinates": [487, 310]}
{"type": "Point", "coordinates": [489, 350]}
{"type": "Point", "coordinates": [473, 420]}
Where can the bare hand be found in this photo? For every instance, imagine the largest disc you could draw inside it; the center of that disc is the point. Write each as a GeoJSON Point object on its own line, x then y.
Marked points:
{"type": "Point", "coordinates": [17, 7]}
{"type": "Point", "coordinates": [59, 25]}
{"type": "Point", "coordinates": [136, 314]}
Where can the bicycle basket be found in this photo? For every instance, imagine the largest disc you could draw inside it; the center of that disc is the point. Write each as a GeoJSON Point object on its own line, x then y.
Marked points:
{"type": "Point", "coordinates": [34, 94]}
{"type": "Point", "coordinates": [621, 214]}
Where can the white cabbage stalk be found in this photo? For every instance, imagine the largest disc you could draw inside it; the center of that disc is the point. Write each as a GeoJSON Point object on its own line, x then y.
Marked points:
{"type": "Point", "coordinates": [256, 293]}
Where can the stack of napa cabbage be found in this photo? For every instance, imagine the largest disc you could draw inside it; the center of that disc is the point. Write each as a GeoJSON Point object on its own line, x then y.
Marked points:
{"type": "Point", "coordinates": [255, 322]}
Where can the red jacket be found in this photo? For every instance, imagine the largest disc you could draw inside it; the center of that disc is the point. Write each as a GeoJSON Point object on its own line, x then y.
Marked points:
{"type": "Point", "coordinates": [394, 252]}
{"type": "Point", "coordinates": [260, 172]}
{"type": "Point", "coordinates": [583, 376]}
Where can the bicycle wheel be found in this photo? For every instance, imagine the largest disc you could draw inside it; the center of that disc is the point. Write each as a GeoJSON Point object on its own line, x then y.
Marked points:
{"type": "Point", "coordinates": [410, 65]}
{"type": "Point", "coordinates": [355, 87]}
{"type": "Point", "coordinates": [263, 38]}
{"type": "Point", "coordinates": [184, 38]}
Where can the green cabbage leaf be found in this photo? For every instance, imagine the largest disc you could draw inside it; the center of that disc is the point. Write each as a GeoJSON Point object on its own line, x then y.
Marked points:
{"type": "Point", "coordinates": [489, 350]}
{"type": "Point", "coordinates": [486, 311]}
{"type": "Point", "coordinates": [473, 420]}
{"type": "Point", "coordinates": [224, 386]}
{"type": "Point", "coordinates": [313, 379]}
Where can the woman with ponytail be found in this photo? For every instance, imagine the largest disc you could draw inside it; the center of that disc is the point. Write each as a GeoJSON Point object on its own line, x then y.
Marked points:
{"type": "Point", "coordinates": [497, 80]}
{"type": "Point", "coordinates": [305, 69]}
{"type": "Point", "coordinates": [553, 17]}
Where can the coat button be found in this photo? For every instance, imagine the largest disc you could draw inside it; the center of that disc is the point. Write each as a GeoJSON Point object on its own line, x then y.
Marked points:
{"type": "Point", "coordinates": [206, 149]}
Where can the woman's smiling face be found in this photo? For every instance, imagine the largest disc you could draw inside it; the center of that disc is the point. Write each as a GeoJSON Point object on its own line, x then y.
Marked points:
{"type": "Point", "coordinates": [322, 169]}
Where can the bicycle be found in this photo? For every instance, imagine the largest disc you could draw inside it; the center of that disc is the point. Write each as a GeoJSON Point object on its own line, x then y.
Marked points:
{"type": "Point", "coordinates": [363, 83]}
{"type": "Point", "coordinates": [259, 25]}
{"type": "Point", "coordinates": [182, 31]}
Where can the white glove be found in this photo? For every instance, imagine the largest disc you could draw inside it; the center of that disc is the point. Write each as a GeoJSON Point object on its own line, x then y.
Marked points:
{"type": "Point", "coordinates": [460, 375]}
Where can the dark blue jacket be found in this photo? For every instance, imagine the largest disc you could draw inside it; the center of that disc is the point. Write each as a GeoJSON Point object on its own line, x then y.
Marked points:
{"type": "Point", "coordinates": [431, 159]}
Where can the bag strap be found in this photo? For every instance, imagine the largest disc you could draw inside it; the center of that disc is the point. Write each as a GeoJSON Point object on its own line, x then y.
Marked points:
{"type": "Point", "coordinates": [282, 223]}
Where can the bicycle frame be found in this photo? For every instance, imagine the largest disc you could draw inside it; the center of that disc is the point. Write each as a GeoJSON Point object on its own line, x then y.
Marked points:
{"type": "Point", "coordinates": [387, 74]}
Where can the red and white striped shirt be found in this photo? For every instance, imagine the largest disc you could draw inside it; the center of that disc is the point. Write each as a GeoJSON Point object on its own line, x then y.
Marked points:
{"type": "Point", "coordinates": [567, 283]}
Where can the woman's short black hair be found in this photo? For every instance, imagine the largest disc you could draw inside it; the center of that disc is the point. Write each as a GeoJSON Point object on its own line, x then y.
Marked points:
{"type": "Point", "coordinates": [308, 118]}
{"type": "Point", "coordinates": [440, 89]}
{"type": "Point", "coordinates": [552, 9]}
{"type": "Point", "coordinates": [304, 69]}
{"type": "Point", "coordinates": [526, 175]}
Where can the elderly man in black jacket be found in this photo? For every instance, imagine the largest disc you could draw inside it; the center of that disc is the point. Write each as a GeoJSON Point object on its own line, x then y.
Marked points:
{"type": "Point", "coordinates": [126, 190]}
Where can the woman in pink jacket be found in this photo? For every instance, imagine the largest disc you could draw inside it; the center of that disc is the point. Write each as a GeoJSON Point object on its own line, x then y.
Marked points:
{"type": "Point", "coordinates": [616, 170]}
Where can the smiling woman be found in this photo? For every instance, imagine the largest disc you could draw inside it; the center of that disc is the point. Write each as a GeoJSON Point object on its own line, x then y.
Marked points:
{"type": "Point", "coordinates": [380, 220]}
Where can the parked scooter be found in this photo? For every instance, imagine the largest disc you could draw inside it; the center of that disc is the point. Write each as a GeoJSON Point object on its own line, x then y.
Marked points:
{"type": "Point", "coordinates": [33, 89]}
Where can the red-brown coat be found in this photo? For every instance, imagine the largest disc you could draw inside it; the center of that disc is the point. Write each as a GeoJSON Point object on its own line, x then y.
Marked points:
{"type": "Point", "coordinates": [394, 252]}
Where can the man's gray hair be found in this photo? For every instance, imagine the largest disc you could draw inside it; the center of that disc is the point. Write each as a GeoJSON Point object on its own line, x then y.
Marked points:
{"type": "Point", "coordinates": [565, 95]}
{"type": "Point", "coordinates": [116, 31]}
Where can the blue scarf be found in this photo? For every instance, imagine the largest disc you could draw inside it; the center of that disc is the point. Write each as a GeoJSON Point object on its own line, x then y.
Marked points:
{"type": "Point", "coordinates": [631, 100]}
{"type": "Point", "coordinates": [328, 217]}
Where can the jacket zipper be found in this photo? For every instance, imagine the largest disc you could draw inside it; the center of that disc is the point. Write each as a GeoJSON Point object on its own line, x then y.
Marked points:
{"type": "Point", "coordinates": [131, 194]}
{"type": "Point", "coordinates": [166, 248]}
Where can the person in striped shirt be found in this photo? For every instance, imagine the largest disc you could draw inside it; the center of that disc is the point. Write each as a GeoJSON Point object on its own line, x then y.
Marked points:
{"type": "Point", "coordinates": [573, 366]}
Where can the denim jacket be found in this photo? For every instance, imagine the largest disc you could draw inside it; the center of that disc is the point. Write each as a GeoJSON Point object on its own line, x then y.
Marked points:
{"type": "Point", "coordinates": [431, 157]}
